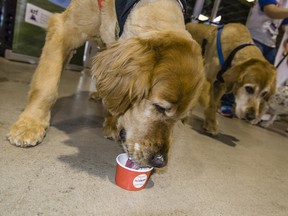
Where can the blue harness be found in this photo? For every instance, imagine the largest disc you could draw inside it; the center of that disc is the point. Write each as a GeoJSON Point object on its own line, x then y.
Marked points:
{"type": "Point", "coordinates": [219, 47]}
{"type": "Point", "coordinates": [225, 65]}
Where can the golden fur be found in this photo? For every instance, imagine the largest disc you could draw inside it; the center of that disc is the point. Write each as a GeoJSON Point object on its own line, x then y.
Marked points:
{"type": "Point", "coordinates": [249, 70]}
{"type": "Point", "coordinates": [148, 79]}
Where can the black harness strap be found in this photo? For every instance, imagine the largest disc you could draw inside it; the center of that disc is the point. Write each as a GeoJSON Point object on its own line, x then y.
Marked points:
{"type": "Point", "coordinates": [183, 5]}
{"type": "Point", "coordinates": [203, 46]}
{"type": "Point", "coordinates": [228, 61]}
{"type": "Point", "coordinates": [124, 7]}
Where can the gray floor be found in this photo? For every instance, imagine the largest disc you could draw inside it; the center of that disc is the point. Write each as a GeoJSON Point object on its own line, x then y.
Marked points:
{"type": "Point", "coordinates": [243, 171]}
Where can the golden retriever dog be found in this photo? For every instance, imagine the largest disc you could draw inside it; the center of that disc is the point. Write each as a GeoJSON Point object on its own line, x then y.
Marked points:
{"type": "Point", "coordinates": [148, 79]}
{"type": "Point", "coordinates": [251, 78]}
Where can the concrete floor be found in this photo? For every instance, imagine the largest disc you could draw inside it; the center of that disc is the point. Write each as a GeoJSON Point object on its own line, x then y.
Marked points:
{"type": "Point", "coordinates": [243, 171]}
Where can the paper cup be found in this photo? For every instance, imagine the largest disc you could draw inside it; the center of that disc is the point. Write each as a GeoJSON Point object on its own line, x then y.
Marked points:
{"type": "Point", "coordinates": [130, 179]}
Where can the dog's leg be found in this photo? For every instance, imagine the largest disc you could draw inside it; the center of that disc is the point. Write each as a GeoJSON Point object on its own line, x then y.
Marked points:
{"type": "Point", "coordinates": [110, 127]}
{"type": "Point", "coordinates": [95, 96]}
{"type": "Point", "coordinates": [263, 109]}
{"type": "Point", "coordinates": [66, 31]}
{"type": "Point", "coordinates": [216, 92]}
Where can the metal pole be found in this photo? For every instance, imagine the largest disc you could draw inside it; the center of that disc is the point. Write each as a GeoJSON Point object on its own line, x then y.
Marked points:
{"type": "Point", "coordinates": [197, 10]}
{"type": "Point", "coordinates": [215, 10]}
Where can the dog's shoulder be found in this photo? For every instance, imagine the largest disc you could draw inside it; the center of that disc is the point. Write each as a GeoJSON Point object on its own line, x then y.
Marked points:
{"type": "Point", "coordinates": [201, 31]}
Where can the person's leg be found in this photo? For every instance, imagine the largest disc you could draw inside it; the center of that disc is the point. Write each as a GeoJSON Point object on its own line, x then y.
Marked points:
{"type": "Point", "coordinates": [259, 45]}
{"type": "Point", "coordinates": [268, 52]}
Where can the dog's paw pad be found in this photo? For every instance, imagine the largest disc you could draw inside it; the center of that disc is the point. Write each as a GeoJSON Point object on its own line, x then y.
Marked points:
{"type": "Point", "coordinates": [26, 132]}
{"type": "Point", "coordinates": [110, 137]}
{"type": "Point", "coordinates": [95, 96]}
{"type": "Point", "coordinates": [210, 129]}
{"type": "Point", "coordinates": [110, 133]}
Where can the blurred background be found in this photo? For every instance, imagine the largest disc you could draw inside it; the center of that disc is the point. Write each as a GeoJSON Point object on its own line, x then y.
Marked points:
{"type": "Point", "coordinates": [23, 25]}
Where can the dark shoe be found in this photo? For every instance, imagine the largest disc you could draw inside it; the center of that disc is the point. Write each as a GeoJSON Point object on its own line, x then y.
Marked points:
{"type": "Point", "coordinates": [226, 110]}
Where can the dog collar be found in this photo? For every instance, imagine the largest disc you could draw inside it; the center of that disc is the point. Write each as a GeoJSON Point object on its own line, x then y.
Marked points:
{"type": "Point", "coordinates": [124, 7]}
{"type": "Point", "coordinates": [100, 4]}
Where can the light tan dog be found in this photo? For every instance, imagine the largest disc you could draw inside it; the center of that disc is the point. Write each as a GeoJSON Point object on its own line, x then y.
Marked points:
{"type": "Point", "coordinates": [148, 79]}
{"type": "Point", "coordinates": [250, 78]}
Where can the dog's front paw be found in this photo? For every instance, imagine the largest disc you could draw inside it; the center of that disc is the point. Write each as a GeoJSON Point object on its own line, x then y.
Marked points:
{"type": "Point", "coordinates": [255, 121]}
{"type": "Point", "coordinates": [26, 132]}
{"type": "Point", "coordinates": [111, 133]}
{"type": "Point", "coordinates": [95, 96]}
{"type": "Point", "coordinates": [210, 127]}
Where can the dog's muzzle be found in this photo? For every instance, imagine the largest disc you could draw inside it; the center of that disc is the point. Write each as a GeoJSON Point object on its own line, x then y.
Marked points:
{"type": "Point", "coordinates": [250, 114]}
{"type": "Point", "coordinates": [157, 161]}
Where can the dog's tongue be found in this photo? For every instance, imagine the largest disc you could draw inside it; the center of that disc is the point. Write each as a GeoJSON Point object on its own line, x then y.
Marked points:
{"type": "Point", "coordinates": [131, 164]}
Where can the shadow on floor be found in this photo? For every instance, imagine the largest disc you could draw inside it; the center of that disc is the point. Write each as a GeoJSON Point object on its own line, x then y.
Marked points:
{"type": "Point", "coordinates": [81, 119]}
{"type": "Point", "coordinates": [196, 123]}
{"type": "Point", "coordinates": [279, 126]}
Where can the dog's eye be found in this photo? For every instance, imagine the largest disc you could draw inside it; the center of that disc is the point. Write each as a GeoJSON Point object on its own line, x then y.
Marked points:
{"type": "Point", "coordinates": [249, 90]}
{"type": "Point", "coordinates": [160, 109]}
{"type": "Point", "coordinates": [264, 94]}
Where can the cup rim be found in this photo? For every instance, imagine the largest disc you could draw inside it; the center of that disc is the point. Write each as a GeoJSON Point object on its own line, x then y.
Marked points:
{"type": "Point", "coordinates": [143, 170]}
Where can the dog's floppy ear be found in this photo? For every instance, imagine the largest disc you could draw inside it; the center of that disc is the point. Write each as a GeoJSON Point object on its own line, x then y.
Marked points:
{"type": "Point", "coordinates": [253, 70]}
{"type": "Point", "coordinates": [123, 73]}
{"type": "Point", "coordinates": [234, 78]}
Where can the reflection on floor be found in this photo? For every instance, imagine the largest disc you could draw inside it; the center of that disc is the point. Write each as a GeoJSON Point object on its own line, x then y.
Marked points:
{"type": "Point", "coordinates": [242, 171]}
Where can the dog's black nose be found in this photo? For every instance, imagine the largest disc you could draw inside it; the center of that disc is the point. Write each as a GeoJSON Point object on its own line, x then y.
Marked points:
{"type": "Point", "coordinates": [157, 161]}
{"type": "Point", "coordinates": [122, 135]}
{"type": "Point", "coordinates": [250, 116]}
